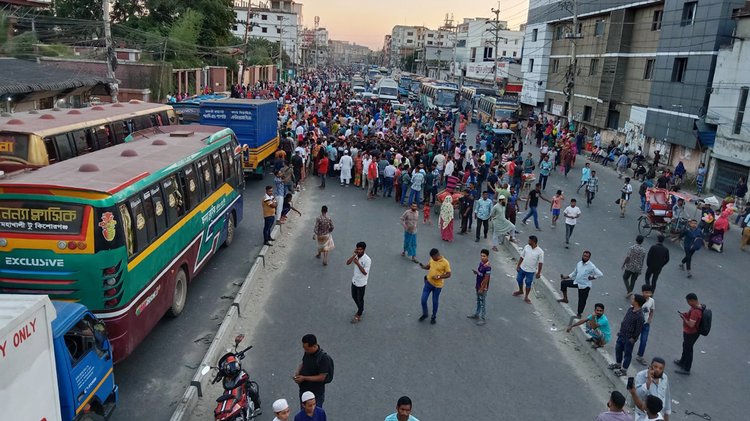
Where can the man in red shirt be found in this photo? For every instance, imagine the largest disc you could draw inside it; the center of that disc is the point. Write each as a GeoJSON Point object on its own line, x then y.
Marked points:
{"type": "Point", "coordinates": [322, 169]}
{"type": "Point", "coordinates": [372, 177]}
{"type": "Point", "coordinates": [691, 320]}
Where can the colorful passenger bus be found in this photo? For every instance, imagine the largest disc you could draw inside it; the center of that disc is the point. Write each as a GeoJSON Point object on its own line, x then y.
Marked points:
{"type": "Point", "coordinates": [38, 138]}
{"type": "Point", "coordinates": [493, 109]}
{"type": "Point", "coordinates": [123, 230]}
{"type": "Point", "coordinates": [439, 98]}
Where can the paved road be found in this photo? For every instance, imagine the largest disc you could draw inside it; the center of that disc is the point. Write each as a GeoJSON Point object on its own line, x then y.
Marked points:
{"type": "Point", "coordinates": [452, 370]}
{"type": "Point", "coordinates": [721, 366]}
{"type": "Point", "coordinates": [153, 379]}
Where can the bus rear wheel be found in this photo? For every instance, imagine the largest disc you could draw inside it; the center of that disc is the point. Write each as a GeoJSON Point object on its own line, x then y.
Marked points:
{"type": "Point", "coordinates": [230, 230]}
{"type": "Point", "coordinates": [180, 294]}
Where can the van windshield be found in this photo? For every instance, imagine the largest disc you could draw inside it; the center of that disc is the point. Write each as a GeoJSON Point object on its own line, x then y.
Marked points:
{"type": "Point", "coordinates": [388, 91]}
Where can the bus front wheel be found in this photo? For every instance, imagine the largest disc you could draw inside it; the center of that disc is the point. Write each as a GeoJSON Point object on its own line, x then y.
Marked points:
{"type": "Point", "coordinates": [230, 230]}
{"type": "Point", "coordinates": [180, 294]}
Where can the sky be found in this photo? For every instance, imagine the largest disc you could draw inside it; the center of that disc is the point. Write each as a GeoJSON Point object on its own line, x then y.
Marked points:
{"type": "Point", "coordinates": [366, 22]}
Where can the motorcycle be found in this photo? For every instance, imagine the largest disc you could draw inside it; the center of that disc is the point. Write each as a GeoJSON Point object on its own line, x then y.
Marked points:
{"type": "Point", "coordinates": [241, 398]}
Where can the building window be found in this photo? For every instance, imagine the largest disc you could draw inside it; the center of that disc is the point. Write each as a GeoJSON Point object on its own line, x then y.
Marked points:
{"type": "Point", "coordinates": [515, 42]}
{"type": "Point", "coordinates": [279, 18]}
{"type": "Point", "coordinates": [430, 35]}
{"type": "Point", "coordinates": [579, 29]}
{"type": "Point", "coordinates": [741, 110]}
{"type": "Point", "coordinates": [531, 65]}
{"type": "Point", "coordinates": [473, 54]}
{"type": "Point", "coordinates": [234, 28]}
{"type": "Point", "coordinates": [429, 42]}
{"type": "Point", "coordinates": [549, 105]}
{"type": "Point", "coordinates": [555, 65]}
{"type": "Point", "coordinates": [648, 73]}
{"type": "Point", "coordinates": [409, 41]}
{"type": "Point", "coordinates": [506, 41]}
{"type": "Point", "coordinates": [679, 68]}
{"type": "Point", "coordinates": [264, 30]}
{"type": "Point", "coordinates": [586, 113]}
{"type": "Point", "coordinates": [656, 21]}
{"type": "Point", "coordinates": [593, 66]}
{"type": "Point", "coordinates": [688, 13]}
{"type": "Point", "coordinates": [505, 53]}
{"type": "Point", "coordinates": [599, 28]}
{"type": "Point", "coordinates": [559, 32]}
{"type": "Point", "coordinates": [263, 17]}
{"type": "Point", "coordinates": [514, 54]}
{"type": "Point", "coordinates": [534, 34]}
{"type": "Point", "coordinates": [409, 34]}
{"type": "Point", "coordinates": [278, 30]}
{"type": "Point", "coordinates": [488, 56]}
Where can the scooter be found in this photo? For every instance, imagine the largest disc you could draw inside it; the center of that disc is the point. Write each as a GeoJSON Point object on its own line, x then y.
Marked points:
{"type": "Point", "coordinates": [241, 398]}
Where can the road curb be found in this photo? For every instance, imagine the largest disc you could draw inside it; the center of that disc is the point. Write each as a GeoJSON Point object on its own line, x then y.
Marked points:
{"type": "Point", "coordinates": [199, 382]}
{"type": "Point", "coordinates": [545, 290]}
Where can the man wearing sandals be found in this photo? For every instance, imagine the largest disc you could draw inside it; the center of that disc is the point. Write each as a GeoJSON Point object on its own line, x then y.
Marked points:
{"type": "Point", "coordinates": [597, 326]}
{"type": "Point", "coordinates": [362, 264]}
{"type": "Point", "coordinates": [531, 261]}
{"type": "Point", "coordinates": [630, 331]}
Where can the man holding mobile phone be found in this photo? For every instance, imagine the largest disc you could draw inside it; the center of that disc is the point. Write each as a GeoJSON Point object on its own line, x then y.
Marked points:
{"type": "Point", "coordinates": [652, 382]}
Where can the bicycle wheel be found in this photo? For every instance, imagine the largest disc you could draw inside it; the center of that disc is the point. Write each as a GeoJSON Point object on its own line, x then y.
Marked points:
{"type": "Point", "coordinates": [644, 226]}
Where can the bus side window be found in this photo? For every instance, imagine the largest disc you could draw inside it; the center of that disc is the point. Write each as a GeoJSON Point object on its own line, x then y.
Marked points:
{"type": "Point", "coordinates": [79, 140]}
{"type": "Point", "coordinates": [205, 172]}
{"type": "Point", "coordinates": [193, 194]}
{"type": "Point", "coordinates": [175, 206]}
{"type": "Point", "coordinates": [217, 167]}
{"type": "Point", "coordinates": [118, 132]}
{"type": "Point", "coordinates": [101, 134]}
{"type": "Point", "coordinates": [159, 211]}
{"type": "Point", "coordinates": [164, 119]}
{"type": "Point", "coordinates": [64, 148]}
{"type": "Point", "coordinates": [139, 219]}
{"type": "Point", "coordinates": [148, 212]}
{"type": "Point", "coordinates": [127, 228]}
{"type": "Point", "coordinates": [129, 127]}
{"type": "Point", "coordinates": [143, 122]}
{"type": "Point", "coordinates": [228, 168]}
{"type": "Point", "coordinates": [49, 144]}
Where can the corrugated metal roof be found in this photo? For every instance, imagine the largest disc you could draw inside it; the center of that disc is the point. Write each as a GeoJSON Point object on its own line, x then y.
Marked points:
{"type": "Point", "coordinates": [22, 77]}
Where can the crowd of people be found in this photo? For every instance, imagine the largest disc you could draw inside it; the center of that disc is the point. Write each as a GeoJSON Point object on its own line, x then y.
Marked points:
{"type": "Point", "coordinates": [424, 162]}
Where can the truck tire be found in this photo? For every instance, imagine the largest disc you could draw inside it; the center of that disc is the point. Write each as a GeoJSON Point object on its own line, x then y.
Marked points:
{"type": "Point", "coordinates": [180, 294]}
{"type": "Point", "coordinates": [231, 229]}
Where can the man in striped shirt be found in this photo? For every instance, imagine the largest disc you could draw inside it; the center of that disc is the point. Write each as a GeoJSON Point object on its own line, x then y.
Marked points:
{"type": "Point", "coordinates": [592, 187]}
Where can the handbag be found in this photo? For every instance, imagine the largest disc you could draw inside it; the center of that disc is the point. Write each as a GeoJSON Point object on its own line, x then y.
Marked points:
{"type": "Point", "coordinates": [617, 202]}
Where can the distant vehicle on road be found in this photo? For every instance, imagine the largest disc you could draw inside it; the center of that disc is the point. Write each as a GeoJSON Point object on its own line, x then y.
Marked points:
{"type": "Point", "coordinates": [123, 230]}
{"type": "Point", "coordinates": [35, 139]}
{"type": "Point", "coordinates": [386, 89]}
{"type": "Point", "coordinates": [442, 99]}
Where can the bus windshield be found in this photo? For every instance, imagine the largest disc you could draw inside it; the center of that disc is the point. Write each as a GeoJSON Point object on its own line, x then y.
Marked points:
{"type": "Point", "coordinates": [404, 82]}
{"type": "Point", "coordinates": [446, 98]}
{"type": "Point", "coordinates": [14, 146]}
{"type": "Point", "coordinates": [505, 114]}
{"type": "Point", "coordinates": [388, 91]}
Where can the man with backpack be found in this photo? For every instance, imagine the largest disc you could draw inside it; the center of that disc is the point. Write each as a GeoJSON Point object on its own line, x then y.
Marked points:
{"type": "Point", "coordinates": [315, 371]}
{"type": "Point", "coordinates": [695, 322]}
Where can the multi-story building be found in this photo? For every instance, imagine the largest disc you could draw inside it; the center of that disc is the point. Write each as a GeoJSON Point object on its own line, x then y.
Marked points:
{"type": "Point", "coordinates": [314, 46]}
{"type": "Point", "coordinates": [729, 110]}
{"type": "Point", "coordinates": [643, 69]}
{"type": "Point", "coordinates": [477, 48]}
{"type": "Point", "coordinates": [276, 20]}
{"type": "Point", "coordinates": [344, 53]}
{"type": "Point", "coordinates": [404, 42]}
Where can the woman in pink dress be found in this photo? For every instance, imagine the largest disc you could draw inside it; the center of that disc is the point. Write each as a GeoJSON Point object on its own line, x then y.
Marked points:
{"type": "Point", "coordinates": [446, 219]}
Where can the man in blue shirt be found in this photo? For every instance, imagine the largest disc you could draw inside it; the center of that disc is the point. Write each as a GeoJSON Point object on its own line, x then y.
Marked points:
{"type": "Point", "coordinates": [403, 411]}
{"type": "Point", "coordinates": [580, 278]}
{"type": "Point", "coordinates": [309, 411]}
{"type": "Point", "coordinates": [692, 241]}
{"type": "Point", "coordinates": [482, 208]}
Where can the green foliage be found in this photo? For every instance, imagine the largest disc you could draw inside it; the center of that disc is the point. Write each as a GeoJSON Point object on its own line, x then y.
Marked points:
{"type": "Point", "coordinates": [22, 46]}
{"type": "Point", "coordinates": [55, 50]}
{"type": "Point", "coordinates": [261, 52]}
{"type": "Point", "coordinates": [78, 9]}
{"type": "Point", "coordinates": [183, 35]}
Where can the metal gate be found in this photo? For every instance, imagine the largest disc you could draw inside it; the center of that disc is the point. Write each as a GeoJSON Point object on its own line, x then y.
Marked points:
{"type": "Point", "coordinates": [727, 174]}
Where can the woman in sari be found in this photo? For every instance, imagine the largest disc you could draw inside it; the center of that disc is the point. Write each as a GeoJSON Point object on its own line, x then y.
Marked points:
{"type": "Point", "coordinates": [499, 224]}
{"type": "Point", "coordinates": [322, 233]}
{"type": "Point", "coordinates": [446, 219]}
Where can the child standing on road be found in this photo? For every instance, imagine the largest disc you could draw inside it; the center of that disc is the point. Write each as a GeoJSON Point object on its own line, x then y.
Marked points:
{"type": "Point", "coordinates": [555, 206]}
{"type": "Point", "coordinates": [426, 214]}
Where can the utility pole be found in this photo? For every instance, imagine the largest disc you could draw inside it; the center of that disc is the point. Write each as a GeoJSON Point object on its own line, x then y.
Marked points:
{"type": "Point", "coordinates": [315, 39]}
{"type": "Point", "coordinates": [248, 25]}
{"type": "Point", "coordinates": [111, 57]}
{"type": "Point", "coordinates": [281, 30]}
{"type": "Point", "coordinates": [496, 30]}
{"type": "Point", "coordinates": [573, 69]}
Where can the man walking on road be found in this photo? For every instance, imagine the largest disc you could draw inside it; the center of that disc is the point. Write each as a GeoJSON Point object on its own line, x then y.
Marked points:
{"type": "Point", "coordinates": [653, 382]}
{"type": "Point", "coordinates": [529, 266]}
{"type": "Point", "coordinates": [362, 264]}
{"type": "Point", "coordinates": [571, 213]}
{"type": "Point", "coordinates": [585, 176]}
{"type": "Point", "coordinates": [438, 270]}
{"type": "Point", "coordinates": [269, 212]}
{"type": "Point", "coordinates": [691, 320]}
{"type": "Point", "coordinates": [625, 192]}
{"type": "Point", "coordinates": [648, 316]}
{"type": "Point", "coordinates": [312, 372]}
{"type": "Point", "coordinates": [410, 220]}
{"type": "Point", "coordinates": [481, 286]}
{"type": "Point", "coordinates": [656, 259]}
{"type": "Point", "coordinates": [580, 278]}
{"type": "Point", "coordinates": [592, 187]}
{"type": "Point", "coordinates": [630, 330]}
{"type": "Point", "coordinates": [403, 411]}
{"type": "Point", "coordinates": [532, 202]}
{"type": "Point", "coordinates": [482, 209]}
{"type": "Point", "coordinates": [633, 265]}
{"type": "Point", "coordinates": [692, 241]}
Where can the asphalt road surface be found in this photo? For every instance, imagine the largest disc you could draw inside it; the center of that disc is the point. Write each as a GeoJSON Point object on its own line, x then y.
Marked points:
{"type": "Point", "coordinates": [154, 377]}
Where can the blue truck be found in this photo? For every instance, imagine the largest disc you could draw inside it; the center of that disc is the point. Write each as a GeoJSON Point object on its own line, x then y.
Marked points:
{"type": "Point", "coordinates": [254, 121]}
{"type": "Point", "coordinates": [55, 361]}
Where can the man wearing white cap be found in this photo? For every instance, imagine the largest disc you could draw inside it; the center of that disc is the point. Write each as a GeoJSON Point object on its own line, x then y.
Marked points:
{"type": "Point", "coordinates": [309, 411]}
{"type": "Point", "coordinates": [281, 409]}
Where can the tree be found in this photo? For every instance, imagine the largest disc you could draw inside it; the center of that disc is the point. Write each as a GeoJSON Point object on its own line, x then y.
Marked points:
{"type": "Point", "coordinates": [407, 62]}
{"type": "Point", "coordinates": [183, 38]}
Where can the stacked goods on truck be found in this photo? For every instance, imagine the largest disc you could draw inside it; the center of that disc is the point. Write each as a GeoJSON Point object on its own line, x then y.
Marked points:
{"type": "Point", "coordinates": [254, 121]}
{"type": "Point", "coordinates": [55, 361]}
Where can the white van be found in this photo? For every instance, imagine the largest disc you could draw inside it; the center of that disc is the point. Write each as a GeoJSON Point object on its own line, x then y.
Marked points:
{"type": "Point", "coordinates": [386, 89]}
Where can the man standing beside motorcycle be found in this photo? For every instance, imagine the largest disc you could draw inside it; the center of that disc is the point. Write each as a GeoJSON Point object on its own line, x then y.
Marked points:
{"type": "Point", "coordinates": [312, 373]}
{"type": "Point", "coordinates": [310, 412]}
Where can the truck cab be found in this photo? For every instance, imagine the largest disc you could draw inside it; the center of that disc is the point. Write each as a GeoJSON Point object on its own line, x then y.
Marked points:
{"type": "Point", "coordinates": [83, 357]}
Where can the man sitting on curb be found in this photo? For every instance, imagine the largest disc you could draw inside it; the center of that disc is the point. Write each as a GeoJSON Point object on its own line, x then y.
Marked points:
{"type": "Point", "coordinates": [597, 327]}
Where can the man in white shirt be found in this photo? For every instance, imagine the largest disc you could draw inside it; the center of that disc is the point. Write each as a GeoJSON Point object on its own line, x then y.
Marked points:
{"type": "Point", "coordinates": [571, 213]}
{"type": "Point", "coordinates": [362, 264]}
{"type": "Point", "coordinates": [580, 278]}
{"type": "Point", "coordinates": [652, 382]}
{"type": "Point", "coordinates": [530, 263]}
{"type": "Point", "coordinates": [449, 168]}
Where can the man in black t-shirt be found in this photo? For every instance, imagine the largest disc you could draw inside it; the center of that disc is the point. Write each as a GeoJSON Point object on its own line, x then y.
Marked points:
{"type": "Point", "coordinates": [465, 208]}
{"type": "Point", "coordinates": [311, 374]}
{"type": "Point", "coordinates": [532, 201]}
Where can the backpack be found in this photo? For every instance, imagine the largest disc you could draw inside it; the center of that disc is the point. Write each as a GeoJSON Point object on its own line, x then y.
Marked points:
{"type": "Point", "coordinates": [329, 375]}
{"type": "Point", "coordinates": [704, 327]}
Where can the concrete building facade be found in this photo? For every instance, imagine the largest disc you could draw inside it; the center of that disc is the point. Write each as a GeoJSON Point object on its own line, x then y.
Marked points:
{"type": "Point", "coordinates": [277, 20]}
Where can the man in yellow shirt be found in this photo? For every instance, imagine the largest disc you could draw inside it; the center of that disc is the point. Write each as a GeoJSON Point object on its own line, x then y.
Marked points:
{"type": "Point", "coordinates": [438, 270]}
{"type": "Point", "coordinates": [269, 215]}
